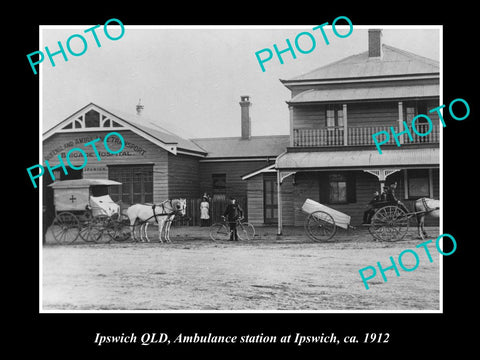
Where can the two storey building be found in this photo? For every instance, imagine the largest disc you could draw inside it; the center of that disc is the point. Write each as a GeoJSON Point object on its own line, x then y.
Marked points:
{"type": "Point", "coordinates": [331, 157]}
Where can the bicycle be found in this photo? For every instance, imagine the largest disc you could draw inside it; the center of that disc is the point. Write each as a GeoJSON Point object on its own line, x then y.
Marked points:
{"type": "Point", "coordinates": [221, 230]}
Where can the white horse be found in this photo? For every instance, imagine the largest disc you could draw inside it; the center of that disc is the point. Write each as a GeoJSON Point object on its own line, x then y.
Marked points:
{"type": "Point", "coordinates": [425, 206]}
{"type": "Point", "coordinates": [161, 215]}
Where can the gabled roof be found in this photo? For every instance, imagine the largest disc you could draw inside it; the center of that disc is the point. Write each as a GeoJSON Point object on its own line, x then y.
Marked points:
{"type": "Point", "coordinates": [151, 127]}
{"type": "Point", "coordinates": [236, 147]}
{"type": "Point", "coordinates": [118, 120]}
{"type": "Point", "coordinates": [226, 147]}
{"type": "Point", "coordinates": [394, 62]}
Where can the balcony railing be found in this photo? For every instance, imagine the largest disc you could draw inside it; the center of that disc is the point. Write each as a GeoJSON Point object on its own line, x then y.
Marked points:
{"type": "Point", "coordinates": [335, 136]}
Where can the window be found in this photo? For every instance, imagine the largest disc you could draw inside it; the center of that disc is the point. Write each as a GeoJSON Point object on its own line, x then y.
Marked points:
{"type": "Point", "coordinates": [418, 183]}
{"type": "Point", "coordinates": [219, 183]}
{"type": "Point", "coordinates": [137, 183]}
{"type": "Point", "coordinates": [334, 116]}
{"type": "Point", "coordinates": [337, 188]}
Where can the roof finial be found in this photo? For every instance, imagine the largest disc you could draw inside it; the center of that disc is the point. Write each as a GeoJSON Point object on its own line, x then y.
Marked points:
{"type": "Point", "coordinates": [139, 107]}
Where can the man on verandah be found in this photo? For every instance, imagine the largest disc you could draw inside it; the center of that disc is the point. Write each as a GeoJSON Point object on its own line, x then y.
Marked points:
{"type": "Point", "coordinates": [232, 213]}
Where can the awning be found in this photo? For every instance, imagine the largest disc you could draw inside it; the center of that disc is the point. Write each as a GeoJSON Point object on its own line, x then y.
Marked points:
{"type": "Point", "coordinates": [82, 183]}
{"type": "Point", "coordinates": [359, 159]}
{"type": "Point", "coordinates": [362, 93]}
{"type": "Point", "coordinates": [263, 170]}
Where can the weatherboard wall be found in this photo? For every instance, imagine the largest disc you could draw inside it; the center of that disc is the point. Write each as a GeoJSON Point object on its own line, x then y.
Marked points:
{"type": "Point", "coordinates": [137, 151]}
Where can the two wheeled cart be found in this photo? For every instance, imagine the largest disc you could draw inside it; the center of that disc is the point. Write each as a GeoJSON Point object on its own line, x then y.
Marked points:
{"type": "Point", "coordinates": [389, 222]}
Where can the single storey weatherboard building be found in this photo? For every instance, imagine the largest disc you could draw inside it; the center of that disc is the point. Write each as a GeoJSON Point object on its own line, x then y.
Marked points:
{"type": "Point", "coordinates": [155, 163]}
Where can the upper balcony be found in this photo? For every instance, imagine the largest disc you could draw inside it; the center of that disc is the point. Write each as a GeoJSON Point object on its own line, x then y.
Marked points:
{"type": "Point", "coordinates": [360, 136]}
{"type": "Point", "coordinates": [354, 123]}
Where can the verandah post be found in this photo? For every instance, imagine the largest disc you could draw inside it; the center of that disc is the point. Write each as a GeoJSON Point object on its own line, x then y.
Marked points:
{"type": "Point", "coordinates": [279, 203]}
{"type": "Point", "coordinates": [290, 110]}
{"type": "Point", "coordinates": [400, 119]}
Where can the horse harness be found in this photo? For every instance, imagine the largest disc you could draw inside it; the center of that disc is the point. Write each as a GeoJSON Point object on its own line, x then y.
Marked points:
{"type": "Point", "coordinates": [427, 208]}
{"type": "Point", "coordinates": [155, 215]}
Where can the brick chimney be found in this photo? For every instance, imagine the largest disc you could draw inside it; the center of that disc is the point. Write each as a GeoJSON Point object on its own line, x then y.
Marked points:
{"type": "Point", "coordinates": [245, 116]}
{"type": "Point", "coordinates": [375, 43]}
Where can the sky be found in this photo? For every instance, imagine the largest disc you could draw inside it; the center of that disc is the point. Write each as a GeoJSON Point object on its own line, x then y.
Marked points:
{"type": "Point", "coordinates": [190, 79]}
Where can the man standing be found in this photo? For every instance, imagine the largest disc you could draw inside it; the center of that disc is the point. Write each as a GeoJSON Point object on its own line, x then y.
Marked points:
{"type": "Point", "coordinates": [232, 213]}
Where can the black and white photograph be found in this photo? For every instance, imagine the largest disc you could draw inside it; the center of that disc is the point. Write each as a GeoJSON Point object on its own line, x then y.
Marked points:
{"type": "Point", "coordinates": [242, 169]}
{"type": "Point", "coordinates": [260, 184]}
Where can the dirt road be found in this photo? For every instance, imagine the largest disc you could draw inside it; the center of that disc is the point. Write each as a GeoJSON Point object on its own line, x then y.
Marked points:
{"type": "Point", "coordinates": [291, 273]}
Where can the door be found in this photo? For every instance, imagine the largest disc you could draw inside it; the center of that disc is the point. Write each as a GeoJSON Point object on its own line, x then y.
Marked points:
{"type": "Point", "coordinates": [334, 125]}
{"type": "Point", "coordinates": [270, 206]}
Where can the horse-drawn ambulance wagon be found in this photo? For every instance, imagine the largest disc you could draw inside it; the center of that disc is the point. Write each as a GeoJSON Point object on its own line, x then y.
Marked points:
{"type": "Point", "coordinates": [84, 208]}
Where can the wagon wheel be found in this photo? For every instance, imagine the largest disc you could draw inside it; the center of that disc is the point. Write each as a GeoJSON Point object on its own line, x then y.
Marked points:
{"type": "Point", "coordinates": [85, 221]}
{"type": "Point", "coordinates": [65, 228]}
{"type": "Point", "coordinates": [320, 226]}
{"type": "Point", "coordinates": [93, 231]}
{"type": "Point", "coordinates": [118, 227]}
{"type": "Point", "coordinates": [389, 223]}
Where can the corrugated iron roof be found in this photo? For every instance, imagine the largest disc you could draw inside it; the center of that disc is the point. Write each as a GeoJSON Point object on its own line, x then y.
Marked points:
{"type": "Point", "coordinates": [360, 159]}
{"type": "Point", "coordinates": [367, 93]}
{"type": "Point", "coordinates": [153, 128]}
{"type": "Point", "coordinates": [142, 124]}
{"type": "Point", "coordinates": [394, 62]}
{"type": "Point", "coordinates": [235, 147]}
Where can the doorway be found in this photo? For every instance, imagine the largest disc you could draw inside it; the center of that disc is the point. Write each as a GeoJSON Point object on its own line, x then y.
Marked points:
{"type": "Point", "coordinates": [270, 205]}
